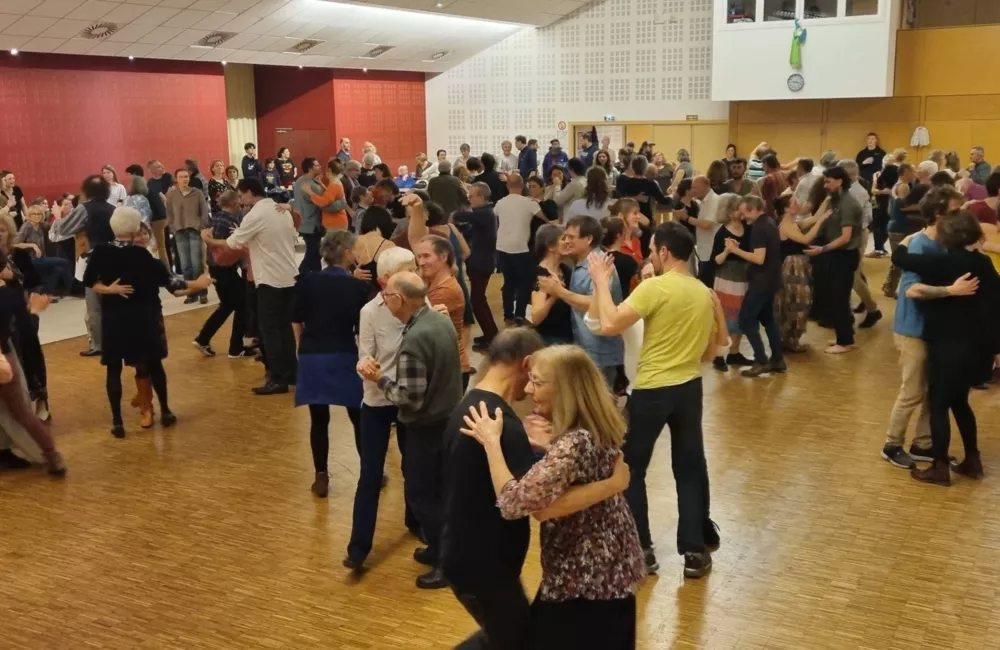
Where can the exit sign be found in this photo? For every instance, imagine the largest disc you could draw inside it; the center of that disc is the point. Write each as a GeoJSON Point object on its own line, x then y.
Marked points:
{"type": "Point", "coordinates": [609, 118]}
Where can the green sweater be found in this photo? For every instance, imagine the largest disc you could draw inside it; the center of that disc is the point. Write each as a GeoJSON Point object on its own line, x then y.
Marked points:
{"type": "Point", "coordinates": [431, 341]}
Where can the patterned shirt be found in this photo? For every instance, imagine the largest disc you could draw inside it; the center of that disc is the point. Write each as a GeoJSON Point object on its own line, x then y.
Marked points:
{"type": "Point", "coordinates": [592, 554]}
{"type": "Point", "coordinates": [409, 388]}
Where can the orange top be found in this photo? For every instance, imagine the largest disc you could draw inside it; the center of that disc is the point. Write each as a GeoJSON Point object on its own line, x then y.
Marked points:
{"type": "Point", "coordinates": [333, 192]}
{"type": "Point", "coordinates": [449, 293]}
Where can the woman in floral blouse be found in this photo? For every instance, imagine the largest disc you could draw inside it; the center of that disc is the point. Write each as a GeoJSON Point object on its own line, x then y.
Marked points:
{"type": "Point", "coordinates": [591, 561]}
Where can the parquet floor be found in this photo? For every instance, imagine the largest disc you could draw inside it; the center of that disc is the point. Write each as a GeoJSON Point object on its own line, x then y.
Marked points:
{"type": "Point", "coordinates": [207, 537]}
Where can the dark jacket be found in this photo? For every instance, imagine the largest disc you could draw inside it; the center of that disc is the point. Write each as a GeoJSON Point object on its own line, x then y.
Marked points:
{"type": "Point", "coordinates": [482, 223]}
{"type": "Point", "coordinates": [527, 162]}
{"type": "Point", "coordinates": [252, 168]}
{"type": "Point", "coordinates": [447, 191]}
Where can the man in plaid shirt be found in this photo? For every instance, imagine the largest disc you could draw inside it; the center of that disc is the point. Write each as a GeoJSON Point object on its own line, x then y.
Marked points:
{"type": "Point", "coordinates": [427, 387]}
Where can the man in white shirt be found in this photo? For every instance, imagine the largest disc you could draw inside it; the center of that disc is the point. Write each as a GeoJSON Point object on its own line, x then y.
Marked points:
{"type": "Point", "coordinates": [269, 234]}
{"type": "Point", "coordinates": [508, 161]}
{"type": "Point", "coordinates": [707, 223]}
{"type": "Point", "coordinates": [514, 213]}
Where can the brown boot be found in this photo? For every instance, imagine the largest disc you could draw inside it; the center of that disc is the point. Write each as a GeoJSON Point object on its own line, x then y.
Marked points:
{"type": "Point", "coordinates": [145, 396]}
{"type": "Point", "coordinates": [321, 486]}
{"type": "Point", "coordinates": [971, 467]}
{"type": "Point", "coordinates": [938, 473]}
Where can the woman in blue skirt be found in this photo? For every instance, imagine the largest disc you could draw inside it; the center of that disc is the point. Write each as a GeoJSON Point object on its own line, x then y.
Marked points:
{"type": "Point", "coordinates": [325, 318]}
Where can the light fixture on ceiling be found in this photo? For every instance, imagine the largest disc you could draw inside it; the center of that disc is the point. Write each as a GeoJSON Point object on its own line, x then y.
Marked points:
{"type": "Point", "coordinates": [365, 70]}
{"type": "Point", "coordinates": [303, 46]}
{"type": "Point", "coordinates": [439, 5]}
{"type": "Point", "coordinates": [99, 31]}
{"type": "Point", "coordinates": [14, 51]}
{"type": "Point", "coordinates": [437, 56]}
{"type": "Point", "coordinates": [300, 67]}
{"type": "Point", "coordinates": [131, 58]}
{"type": "Point", "coordinates": [215, 39]}
{"type": "Point", "coordinates": [223, 63]}
{"type": "Point", "coordinates": [376, 51]}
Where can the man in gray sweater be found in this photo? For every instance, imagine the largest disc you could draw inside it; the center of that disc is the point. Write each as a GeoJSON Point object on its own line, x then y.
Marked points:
{"type": "Point", "coordinates": [427, 388]}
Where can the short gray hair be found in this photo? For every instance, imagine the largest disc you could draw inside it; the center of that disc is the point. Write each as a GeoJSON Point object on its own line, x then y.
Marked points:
{"type": "Point", "coordinates": [728, 204]}
{"type": "Point", "coordinates": [125, 221]}
{"type": "Point", "coordinates": [411, 286]}
{"type": "Point", "coordinates": [335, 245]}
{"type": "Point", "coordinates": [828, 159]}
{"type": "Point", "coordinates": [369, 159]}
{"type": "Point", "coordinates": [979, 150]}
{"type": "Point", "coordinates": [928, 167]}
{"type": "Point", "coordinates": [138, 186]}
{"type": "Point", "coordinates": [546, 236]}
{"type": "Point", "coordinates": [444, 167]}
{"type": "Point", "coordinates": [391, 260]}
{"type": "Point", "coordinates": [850, 166]}
{"type": "Point", "coordinates": [352, 165]}
{"type": "Point", "coordinates": [483, 190]}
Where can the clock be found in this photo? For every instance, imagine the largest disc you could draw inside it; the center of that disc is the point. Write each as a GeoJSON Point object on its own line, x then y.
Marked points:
{"type": "Point", "coordinates": [796, 82]}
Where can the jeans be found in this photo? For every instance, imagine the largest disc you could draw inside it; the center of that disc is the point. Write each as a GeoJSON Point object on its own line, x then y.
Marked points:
{"type": "Point", "coordinates": [189, 249]}
{"type": "Point", "coordinates": [478, 282]}
{"type": "Point", "coordinates": [758, 309]}
{"type": "Point", "coordinates": [376, 424]}
{"type": "Point", "coordinates": [311, 261]}
{"type": "Point", "coordinates": [423, 467]}
{"type": "Point", "coordinates": [679, 407]}
{"type": "Point", "coordinates": [232, 300]}
{"type": "Point", "coordinates": [518, 278]}
{"type": "Point", "coordinates": [503, 614]}
{"type": "Point", "coordinates": [274, 316]}
{"type": "Point", "coordinates": [912, 394]}
{"type": "Point", "coordinates": [53, 270]}
{"type": "Point", "coordinates": [93, 300]}
{"type": "Point", "coordinates": [843, 263]}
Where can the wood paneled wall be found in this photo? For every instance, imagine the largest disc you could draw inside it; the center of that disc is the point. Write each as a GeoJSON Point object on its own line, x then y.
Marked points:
{"type": "Point", "coordinates": [706, 141]}
{"type": "Point", "coordinates": [241, 110]}
{"type": "Point", "coordinates": [937, 86]}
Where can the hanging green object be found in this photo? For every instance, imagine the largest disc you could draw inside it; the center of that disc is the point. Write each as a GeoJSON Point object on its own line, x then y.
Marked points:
{"type": "Point", "coordinates": [798, 40]}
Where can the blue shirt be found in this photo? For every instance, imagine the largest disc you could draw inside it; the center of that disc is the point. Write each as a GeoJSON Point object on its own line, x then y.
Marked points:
{"type": "Point", "coordinates": [604, 350]}
{"type": "Point", "coordinates": [909, 320]}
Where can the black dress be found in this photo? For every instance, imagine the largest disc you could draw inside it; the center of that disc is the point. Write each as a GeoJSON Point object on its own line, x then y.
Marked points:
{"type": "Point", "coordinates": [557, 327]}
{"type": "Point", "coordinates": [627, 268]}
{"type": "Point", "coordinates": [132, 327]}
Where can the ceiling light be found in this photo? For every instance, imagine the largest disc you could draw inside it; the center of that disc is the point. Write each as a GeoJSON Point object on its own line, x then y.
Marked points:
{"type": "Point", "coordinates": [300, 67]}
{"type": "Point", "coordinates": [14, 51]}
{"type": "Point", "coordinates": [439, 5]}
{"type": "Point", "coordinates": [362, 69]}
{"type": "Point", "coordinates": [223, 63]}
{"type": "Point", "coordinates": [131, 58]}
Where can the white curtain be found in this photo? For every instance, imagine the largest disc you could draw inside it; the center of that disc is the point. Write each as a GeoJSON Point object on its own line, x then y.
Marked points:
{"type": "Point", "coordinates": [241, 110]}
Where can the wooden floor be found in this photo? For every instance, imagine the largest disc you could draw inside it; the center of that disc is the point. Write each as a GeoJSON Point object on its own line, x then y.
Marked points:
{"type": "Point", "coordinates": [207, 537]}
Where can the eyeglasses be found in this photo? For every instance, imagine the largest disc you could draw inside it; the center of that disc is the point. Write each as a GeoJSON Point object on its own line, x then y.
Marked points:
{"type": "Point", "coordinates": [537, 382]}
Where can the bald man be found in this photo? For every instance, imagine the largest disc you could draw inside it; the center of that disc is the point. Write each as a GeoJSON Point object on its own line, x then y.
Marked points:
{"type": "Point", "coordinates": [427, 388]}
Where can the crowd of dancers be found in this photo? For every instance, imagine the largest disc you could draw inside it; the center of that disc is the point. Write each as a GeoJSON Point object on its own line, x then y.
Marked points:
{"type": "Point", "coordinates": [625, 273]}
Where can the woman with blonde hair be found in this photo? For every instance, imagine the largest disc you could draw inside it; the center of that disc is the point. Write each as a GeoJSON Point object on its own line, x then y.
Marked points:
{"type": "Point", "coordinates": [592, 562]}
{"type": "Point", "coordinates": [730, 280]}
{"type": "Point", "coordinates": [422, 166]}
{"type": "Point", "coordinates": [118, 192]}
{"type": "Point", "coordinates": [128, 280]}
{"type": "Point", "coordinates": [217, 184]}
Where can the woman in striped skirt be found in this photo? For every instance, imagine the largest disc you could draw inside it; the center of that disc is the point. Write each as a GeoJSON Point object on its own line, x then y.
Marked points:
{"type": "Point", "coordinates": [731, 276]}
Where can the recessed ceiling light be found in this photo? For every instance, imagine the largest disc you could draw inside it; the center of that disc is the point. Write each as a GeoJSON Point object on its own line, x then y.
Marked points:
{"type": "Point", "coordinates": [14, 51]}
{"type": "Point", "coordinates": [439, 5]}
{"type": "Point", "coordinates": [362, 69]}
{"type": "Point", "coordinates": [131, 58]}
{"type": "Point", "coordinates": [223, 63]}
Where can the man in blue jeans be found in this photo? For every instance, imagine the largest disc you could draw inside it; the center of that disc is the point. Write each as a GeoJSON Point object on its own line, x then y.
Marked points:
{"type": "Point", "coordinates": [516, 263]}
{"type": "Point", "coordinates": [764, 276]}
{"type": "Point", "coordinates": [379, 337]}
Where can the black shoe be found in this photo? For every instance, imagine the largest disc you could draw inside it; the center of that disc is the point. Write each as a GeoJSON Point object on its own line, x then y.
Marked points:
{"type": "Point", "coordinates": [779, 366]}
{"type": "Point", "coordinates": [738, 360]}
{"type": "Point", "coordinates": [923, 455]}
{"type": "Point", "coordinates": [860, 309]}
{"type": "Point", "coordinates": [10, 460]}
{"type": "Point", "coordinates": [697, 565]}
{"type": "Point", "coordinates": [720, 364]}
{"type": "Point", "coordinates": [167, 419]}
{"type": "Point", "coordinates": [896, 456]}
{"type": "Point", "coordinates": [244, 353]}
{"type": "Point", "coordinates": [354, 565]}
{"type": "Point", "coordinates": [418, 533]}
{"type": "Point", "coordinates": [711, 534]}
{"type": "Point", "coordinates": [90, 353]}
{"type": "Point", "coordinates": [205, 349]}
{"type": "Point", "coordinates": [433, 579]}
{"type": "Point", "coordinates": [481, 346]}
{"type": "Point", "coordinates": [652, 566]}
{"type": "Point", "coordinates": [478, 339]}
{"type": "Point", "coordinates": [870, 320]}
{"type": "Point", "coordinates": [423, 556]}
{"type": "Point", "coordinates": [271, 388]}
{"type": "Point", "coordinates": [203, 300]}
{"type": "Point", "coordinates": [190, 300]}
{"type": "Point", "coordinates": [118, 431]}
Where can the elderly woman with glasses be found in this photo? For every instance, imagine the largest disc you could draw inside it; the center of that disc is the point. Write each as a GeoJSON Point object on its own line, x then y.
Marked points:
{"type": "Point", "coordinates": [326, 319]}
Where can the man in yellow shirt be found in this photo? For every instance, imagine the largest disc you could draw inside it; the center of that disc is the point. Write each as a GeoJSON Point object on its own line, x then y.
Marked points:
{"type": "Point", "coordinates": [681, 319]}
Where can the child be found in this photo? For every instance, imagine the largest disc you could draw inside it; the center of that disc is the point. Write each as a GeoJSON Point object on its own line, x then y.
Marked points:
{"type": "Point", "coordinates": [51, 270]}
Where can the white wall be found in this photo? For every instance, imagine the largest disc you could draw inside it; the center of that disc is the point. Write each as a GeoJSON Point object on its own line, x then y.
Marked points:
{"type": "Point", "coordinates": [634, 59]}
{"type": "Point", "coordinates": [842, 57]}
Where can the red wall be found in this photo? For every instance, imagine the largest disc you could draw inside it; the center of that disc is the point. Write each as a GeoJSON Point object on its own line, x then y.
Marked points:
{"type": "Point", "coordinates": [321, 106]}
{"type": "Point", "coordinates": [64, 117]}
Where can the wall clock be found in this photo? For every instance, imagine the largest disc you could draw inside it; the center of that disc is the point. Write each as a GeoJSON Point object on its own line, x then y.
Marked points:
{"type": "Point", "coordinates": [796, 82]}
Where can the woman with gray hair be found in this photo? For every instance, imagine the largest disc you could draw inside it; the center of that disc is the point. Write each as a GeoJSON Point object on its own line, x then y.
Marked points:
{"type": "Point", "coordinates": [137, 193]}
{"type": "Point", "coordinates": [325, 319]}
{"type": "Point", "coordinates": [128, 280]}
{"type": "Point", "coordinates": [367, 176]}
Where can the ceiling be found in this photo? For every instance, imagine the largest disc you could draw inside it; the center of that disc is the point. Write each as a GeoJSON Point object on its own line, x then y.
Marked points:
{"type": "Point", "coordinates": [530, 12]}
{"type": "Point", "coordinates": [263, 31]}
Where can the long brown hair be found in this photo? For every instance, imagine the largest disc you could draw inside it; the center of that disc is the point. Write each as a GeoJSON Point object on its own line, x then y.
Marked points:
{"type": "Point", "coordinates": [596, 191]}
{"type": "Point", "coordinates": [583, 402]}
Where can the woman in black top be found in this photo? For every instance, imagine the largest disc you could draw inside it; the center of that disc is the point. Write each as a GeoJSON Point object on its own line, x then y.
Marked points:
{"type": "Point", "coordinates": [550, 209]}
{"type": "Point", "coordinates": [961, 333]}
{"type": "Point", "coordinates": [272, 180]}
{"type": "Point", "coordinates": [634, 184]}
{"type": "Point", "coordinates": [217, 184]}
{"type": "Point", "coordinates": [883, 183]}
{"type": "Point", "coordinates": [376, 229]}
{"type": "Point", "coordinates": [552, 317]}
{"type": "Point", "coordinates": [128, 280]}
{"type": "Point", "coordinates": [286, 168]}
{"type": "Point", "coordinates": [615, 234]}
{"type": "Point", "coordinates": [11, 198]}
{"type": "Point", "coordinates": [326, 317]}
